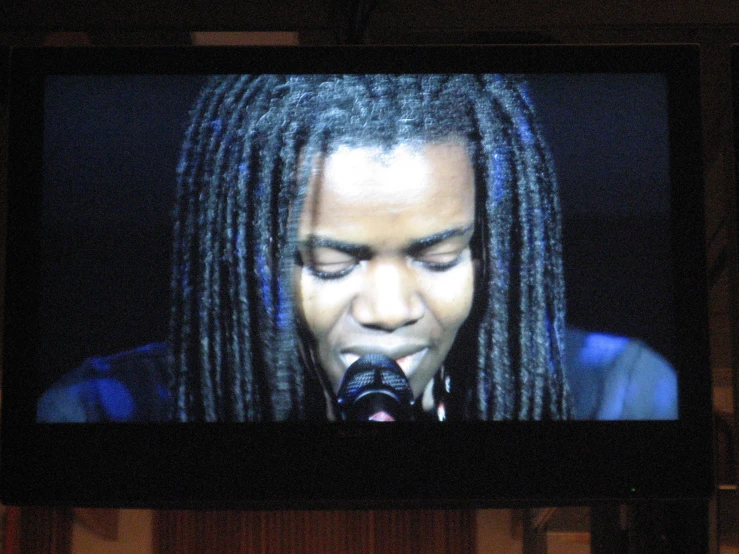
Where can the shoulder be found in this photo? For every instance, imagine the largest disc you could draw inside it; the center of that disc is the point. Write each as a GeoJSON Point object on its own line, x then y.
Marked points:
{"type": "Point", "coordinates": [126, 387]}
{"type": "Point", "coordinates": [614, 378]}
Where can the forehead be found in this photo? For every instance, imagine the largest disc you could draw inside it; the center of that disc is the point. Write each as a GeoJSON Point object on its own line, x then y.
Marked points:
{"type": "Point", "coordinates": [409, 190]}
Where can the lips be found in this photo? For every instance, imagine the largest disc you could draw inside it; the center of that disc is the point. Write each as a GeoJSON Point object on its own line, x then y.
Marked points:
{"type": "Point", "coordinates": [407, 357]}
{"type": "Point", "coordinates": [410, 362]}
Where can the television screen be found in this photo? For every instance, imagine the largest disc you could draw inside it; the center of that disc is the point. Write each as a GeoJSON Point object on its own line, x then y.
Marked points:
{"type": "Point", "coordinates": [226, 267]}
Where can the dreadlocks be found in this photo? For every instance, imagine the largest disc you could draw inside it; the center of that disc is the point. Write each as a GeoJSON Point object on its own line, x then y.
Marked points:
{"type": "Point", "coordinates": [243, 173]}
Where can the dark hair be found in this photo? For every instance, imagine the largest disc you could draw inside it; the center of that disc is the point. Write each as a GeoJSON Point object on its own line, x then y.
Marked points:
{"type": "Point", "coordinates": [235, 340]}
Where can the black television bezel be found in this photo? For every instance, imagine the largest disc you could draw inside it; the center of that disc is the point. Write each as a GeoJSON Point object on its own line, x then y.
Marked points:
{"type": "Point", "coordinates": [285, 465]}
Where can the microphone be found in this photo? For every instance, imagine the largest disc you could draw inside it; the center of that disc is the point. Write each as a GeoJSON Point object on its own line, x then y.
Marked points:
{"type": "Point", "coordinates": [374, 388]}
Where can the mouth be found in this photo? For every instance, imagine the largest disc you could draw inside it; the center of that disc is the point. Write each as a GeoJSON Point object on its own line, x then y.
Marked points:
{"type": "Point", "coordinates": [408, 361]}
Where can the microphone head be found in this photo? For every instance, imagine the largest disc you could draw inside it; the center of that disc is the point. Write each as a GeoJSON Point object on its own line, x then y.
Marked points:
{"type": "Point", "coordinates": [374, 388]}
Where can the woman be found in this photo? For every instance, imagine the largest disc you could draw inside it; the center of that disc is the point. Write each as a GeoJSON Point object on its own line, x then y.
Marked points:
{"type": "Point", "coordinates": [411, 187]}
{"type": "Point", "coordinates": [320, 219]}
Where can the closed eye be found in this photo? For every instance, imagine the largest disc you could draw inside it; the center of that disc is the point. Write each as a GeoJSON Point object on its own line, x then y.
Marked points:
{"type": "Point", "coordinates": [328, 273]}
{"type": "Point", "coordinates": [444, 259]}
{"type": "Point", "coordinates": [328, 263]}
{"type": "Point", "coordinates": [442, 251]}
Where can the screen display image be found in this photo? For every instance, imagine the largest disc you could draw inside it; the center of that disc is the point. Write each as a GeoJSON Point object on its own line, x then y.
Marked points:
{"type": "Point", "coordinates": [364, 277]}
{"type": "Point", "coordinates": [226, 248]}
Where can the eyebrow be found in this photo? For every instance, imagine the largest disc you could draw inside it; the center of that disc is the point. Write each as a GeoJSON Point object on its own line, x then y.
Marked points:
{"type": "Point", "coordinates": [363, 252]}
{"type": "Point", "coordinates": [358, 251]}
{"type": "Point", "coordinates": [432, 240]}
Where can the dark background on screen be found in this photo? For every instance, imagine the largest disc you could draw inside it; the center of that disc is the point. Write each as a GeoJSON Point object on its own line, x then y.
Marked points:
{"type": "Point", "coordinates": [110, 157]}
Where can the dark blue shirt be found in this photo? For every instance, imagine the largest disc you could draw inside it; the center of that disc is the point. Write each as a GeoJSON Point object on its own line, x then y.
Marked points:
{"type": "Point", "coordinates": [610, 378]}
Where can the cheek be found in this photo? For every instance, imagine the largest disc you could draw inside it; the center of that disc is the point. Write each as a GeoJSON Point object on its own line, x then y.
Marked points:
{"type": "Point", "coordinates": [321, 303]}
{"type": "Point", "coordinates": [448, 295]}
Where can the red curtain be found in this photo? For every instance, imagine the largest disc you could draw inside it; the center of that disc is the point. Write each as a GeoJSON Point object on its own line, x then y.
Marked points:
{"type": "Point", "coordinates": [311, 532]}
{"type": "Point", "coordinates": [38, 530]}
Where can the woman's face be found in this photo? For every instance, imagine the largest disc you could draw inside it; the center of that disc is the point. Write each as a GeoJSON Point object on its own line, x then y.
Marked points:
{"type": "Point", "coordinates": [384, 243]}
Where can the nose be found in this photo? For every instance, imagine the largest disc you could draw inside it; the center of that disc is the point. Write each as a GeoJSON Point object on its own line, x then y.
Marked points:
{"type": "Point", "coordinates": [389, 298]}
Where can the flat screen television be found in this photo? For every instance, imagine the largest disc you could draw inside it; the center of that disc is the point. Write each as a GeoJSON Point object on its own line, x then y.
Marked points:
{"type": "Point", "coordinates": [354, 277]}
